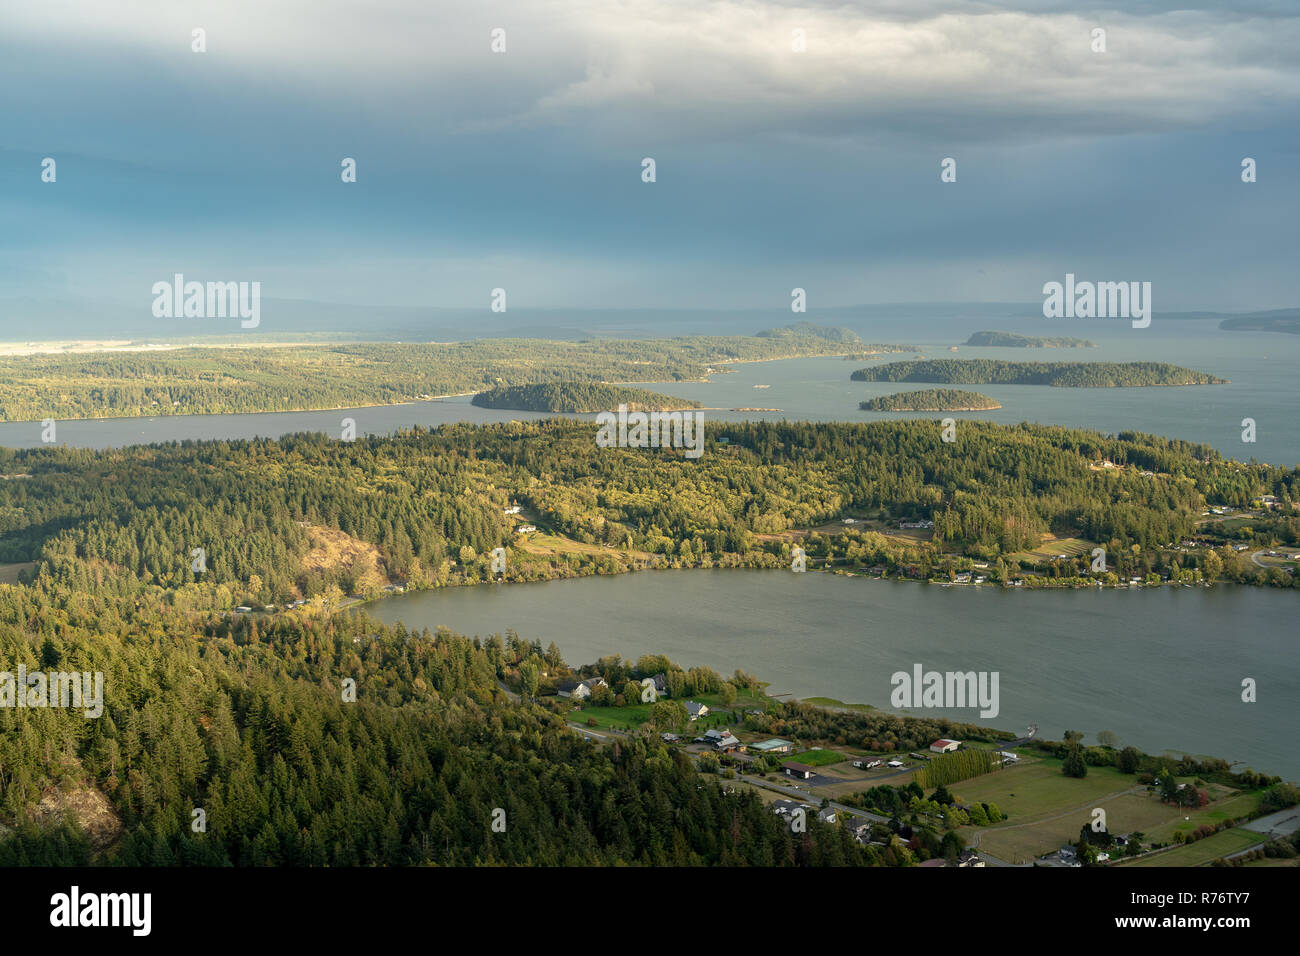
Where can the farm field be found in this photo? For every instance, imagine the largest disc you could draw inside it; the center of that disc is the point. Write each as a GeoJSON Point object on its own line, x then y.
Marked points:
{"type": "Point", "coordinates": [1051, 546]}
{"type": "Point", "coordinates": [1046, 809]}
{"type": "Point", "coordinates": [1202, 851]}
{"type": "Point", "coordinates": [632, 716]}
{"type": "Point", "coordinates": [820, 758]}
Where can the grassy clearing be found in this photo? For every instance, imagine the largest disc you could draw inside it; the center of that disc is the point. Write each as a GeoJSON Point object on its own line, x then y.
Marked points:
{"type": "Point", "coordinates": [1051, 546]}
{"type": "Point", "coordinates": [1046, 809]}
{"type": "Point", "coordinates": [9, 572]}
{"type": "Point", "coordinates": [1202, 851]}
{"type": "Point", "coordinates": [820, 758]}
{"type": "Point", "coordinates": [545, 544]}
{"type": "Point", "coordinates": [1233, 807]}
{"type": "Point", "coordinates": [633, 716]}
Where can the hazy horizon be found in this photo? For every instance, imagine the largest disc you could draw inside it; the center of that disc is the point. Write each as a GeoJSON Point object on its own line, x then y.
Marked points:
{"type": "Point", "coordinates": [775, 168]}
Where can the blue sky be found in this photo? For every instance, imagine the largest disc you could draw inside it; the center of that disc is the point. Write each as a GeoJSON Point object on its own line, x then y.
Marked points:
{"type": "Point", "coordinates": [775, 169]}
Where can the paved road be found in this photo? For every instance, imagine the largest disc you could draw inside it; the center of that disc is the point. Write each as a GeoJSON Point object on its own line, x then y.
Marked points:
{"type": "Point", "coordinates": [1280, 824]}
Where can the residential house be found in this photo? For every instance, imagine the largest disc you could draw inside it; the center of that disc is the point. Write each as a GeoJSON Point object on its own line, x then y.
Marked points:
{"type": "Point", "coordinates": [787, 807]}
{"type": "Point", "coordinates": [580, 690]}
{"type": "Point", "coordinates": [695, 710]}
{"type": "Point", "coordinates": [773, 746]}
{"type": "Point", "coordinates": [860, 827]}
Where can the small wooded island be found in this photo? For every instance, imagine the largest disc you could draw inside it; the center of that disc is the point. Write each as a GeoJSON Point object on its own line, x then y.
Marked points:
{"type": "Point", "coordinates": [931, 400]}
{"type": "Point", "coordinates": [578, 397]}
{"type": "Point", "coordinates": [1014, 340]}
{"type": "Point", "coordinates": [1058, 374]}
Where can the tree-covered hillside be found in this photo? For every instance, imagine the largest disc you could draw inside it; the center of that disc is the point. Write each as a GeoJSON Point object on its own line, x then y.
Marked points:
{"type": "Point", "coordinates": [432, 503]}
{"type": "Point", "coordinates": [578, 397]}
{"type": "Point", "coordinates": [931, 400]}
{"type": "Point", "coordinates": [212, 380]}
{"type": "Point", "coordinates": [1059, 374]}
{"type": "Point", "coordinates": [1017, 341]}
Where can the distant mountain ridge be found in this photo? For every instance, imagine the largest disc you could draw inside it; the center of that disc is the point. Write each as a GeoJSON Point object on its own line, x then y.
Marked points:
{"type": "Point", "coordinates": [1276, 320]}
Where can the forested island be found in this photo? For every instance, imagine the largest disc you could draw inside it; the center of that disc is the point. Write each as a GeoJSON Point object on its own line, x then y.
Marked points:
{"type": "Point", "coordinates": [576, 397]}
{"type": "Point", "coordinates": [1283, 320]}
{"type": "Point", "coordinates": [1015, 340]}
{"type": "Point", "coordinates": [931, 400]}
{"type": "Point", "coordinates": [1057, 374]}
{"type": "Point", "coordinates": [310, 515]}
{"type": "Point", "coordinates": [211, 380]}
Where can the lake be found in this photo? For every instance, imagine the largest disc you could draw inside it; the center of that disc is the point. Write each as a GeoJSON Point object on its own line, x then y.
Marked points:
{"type": "Point", "coordinates": [1162, 668]}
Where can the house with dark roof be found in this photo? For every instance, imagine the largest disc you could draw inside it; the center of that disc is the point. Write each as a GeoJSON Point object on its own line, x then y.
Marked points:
{"type": "Point", "coordinates": [793, 768]}
{"type": "Point", "coordinates": [696, 710]}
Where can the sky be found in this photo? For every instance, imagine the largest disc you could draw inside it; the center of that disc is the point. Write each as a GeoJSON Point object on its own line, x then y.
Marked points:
{"type": "Point", "coordinates": [522, 170]}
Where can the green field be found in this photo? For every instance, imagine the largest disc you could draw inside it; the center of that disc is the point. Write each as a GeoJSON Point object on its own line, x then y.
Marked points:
{"type": "Point", "coordinates": [1233, 808]}
{"type": "Point", "coordinates": [1027, 791]}
{"type": "Point", "coordinates": [1202, 851]}
{"type": "Point", "coordinates": [820, 758]}
{"type": "Point", "coordinates": [1050, 548]}
{"type": "Point", "coordinates": [1046, 809]}
{"type": "Point", "coordinates": [632, 716]}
